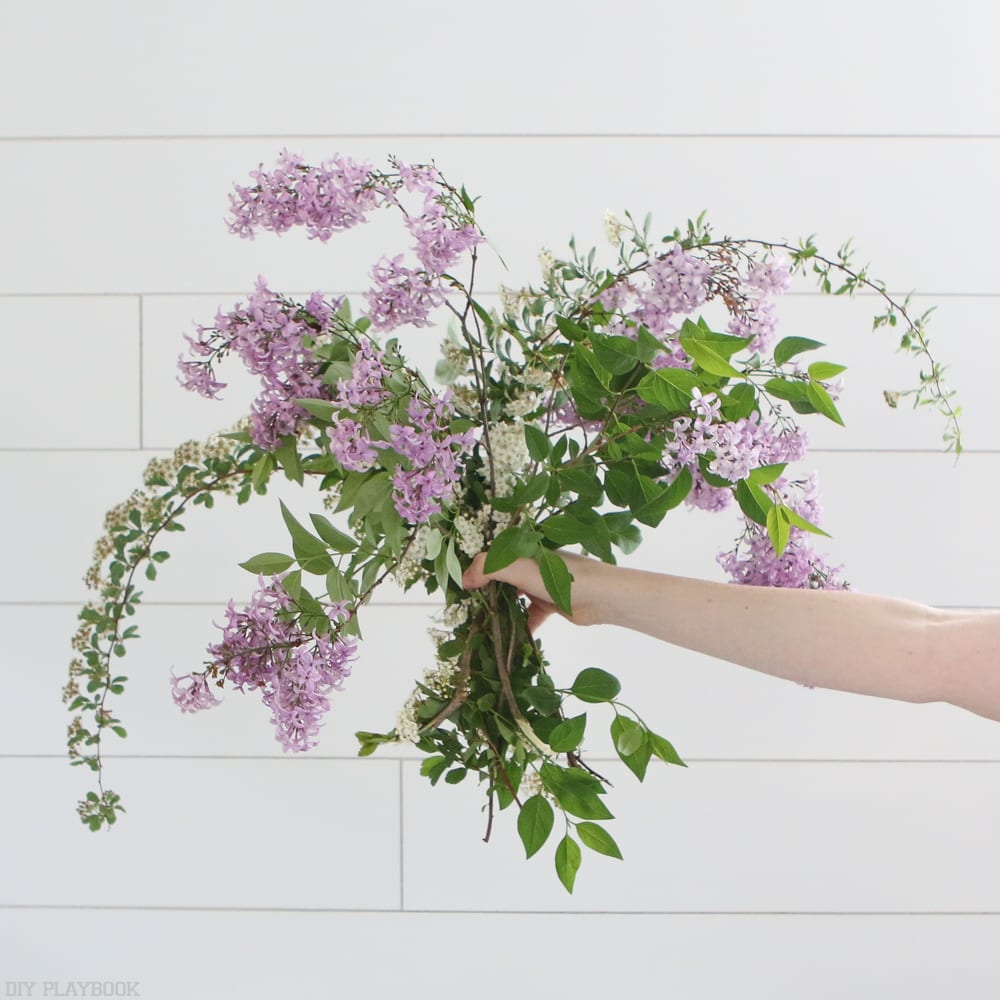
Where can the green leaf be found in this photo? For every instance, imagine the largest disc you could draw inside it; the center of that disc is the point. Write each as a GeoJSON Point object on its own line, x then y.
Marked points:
{"type": "Point", "coordinates": [429, 764]}
{"type": "Point", "coordinates": [787, 348]}
{"type": "Point", "coordinates": [557, 579]}
{"type": "Point", "coordinates": [663, 499]}
{"type": "Point", "coordinates": [512, 543]}
{"type": "Point", "coordinates": [564, 529]}
{"type": "Point", "coordinates": [568, 734]}
{"type": "Point", "coordinates": [617, 354]}
{"type": "Point", "coordinates": [766, 474]}
{"type": "Point", "coordinates": [542, 699]}
{"type": "Point", "coordinates": [598, 839]}
{"type": "Point", "coordinates": [740, 401]}
{"type": "Point", "coordinates": [452, 563]}
{"type": "Point", "coordinates": [334, 538]}
{"type": "Point", "coordinates": [318, 408]}
{"type": "Point", "coordinates": [304, 542]}
{"type": "Point", "coordinates": [594, 686]}
{"type": "Point", "coordinates": [777, 529]}
{"type": "Point", "coordinates": [267, 563]}
{"type": "Point", "coordinates": [576, 791]}
{"type": "Point", "coordinates": [800, 522]}
{"type": "Point", "coordinates": [526, 493]}
{"type": "Point", "coordinates": [664, 750]}
{"type": "Point", "coordinates": [539, 446]}
{"type": "Point", "coordinates": [627, 734]}
{"type": "Point", "coordinates": [570, 330]}
{"type": "Point", "coordinates": [567, 861]}
{"type": "Point", "coordinates": [822, 371]}
{"type": "Point", "coordinates": [793, 390]}
{"type": "Point", "coordinates": [534, 823]}
{"type": "Point", "coordinates": [632, 745]}
{"type": "Point", "coordinates": [821, 399]}
{"type": "Point", "coordinates": [753, 501]}
{"type": "Point", "coordinates": [707, 358]}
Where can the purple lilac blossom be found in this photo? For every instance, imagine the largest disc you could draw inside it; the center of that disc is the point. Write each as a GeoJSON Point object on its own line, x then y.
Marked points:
{"type": "Point", "coordinates": [326, 199]}
{"type": "Point", "coordinates": [192, 693]}
{"type": "Point", "coordinates": [263, 647]}
{"type": "Point", "coordinates": [268, 334]}
{"type": "Point", "coordinates": [366, 386]}
{"type": "Point", "coordinates": [351, 446]}
{"type": "Point", "coordinates": [799, 565]}
{"type": "Point", "coordinates": [439, 245]}
{"type": "Point", "coordinates": [736, 447]}
{"type": "Point", "coordinates": [400, 295]}
{"type": "Point", "coordinates": [434, 456]}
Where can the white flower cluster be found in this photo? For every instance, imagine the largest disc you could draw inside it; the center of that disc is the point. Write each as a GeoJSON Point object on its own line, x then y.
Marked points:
{"type": "Point", "coordinates": [471, 530]}
{"type": "Point", "coordinates": [453, 364]}
{"type": "Point", "coordinates": [510, 455]}
{"type": "Point", "coordinates": [523, 404]}
{"type": "Point", "coordinates": [547, 262]}
{"type": "Point", "coordinates": [440, 679]}
{"type": "Point", "coordinates": [613, 227]}
{"type": "Point", "coordinates": [408, 568]}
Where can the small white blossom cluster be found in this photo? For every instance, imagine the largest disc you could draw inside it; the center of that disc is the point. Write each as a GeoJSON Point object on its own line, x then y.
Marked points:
{"type": "Point", "coordinates": [513, 299]}
{"type": "Point", "coordinates": [453, 364]}
{"type": "Point", "coordinates": [523, 404]}
{"type": "Point", "coordinates": [439, 679]}
{"type": "Point", "coordinates": [408, 568]}
{"type": "Point", "coordinates": [613, 228]}
{"type": "Point", "coordinates": [471, 528]}
{"type": "Point", "coordinates": [510, 455]}
{"type": "Point", "coordinates": [547, 262]}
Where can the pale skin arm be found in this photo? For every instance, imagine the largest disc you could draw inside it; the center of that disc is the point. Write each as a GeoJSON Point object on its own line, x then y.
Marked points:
{"type": "Point", "coordinates": [844, 640]}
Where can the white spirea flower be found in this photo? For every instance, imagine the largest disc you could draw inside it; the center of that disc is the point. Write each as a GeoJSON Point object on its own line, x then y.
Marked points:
{"type": "Point", "coordinates": [471, 528]}
{"type": "Point", "coordinates": [522, 405]}
{"type": "Point", "coordinates": [407, 726]}
{"type": "Point", "coordinates": [408, 568]}
{"type": "Point", "coordinates": [613, 227]}
{"type": "Point", "coordinates": [510, 454]}
{"type": "Point", "coordinates": [547, 261]}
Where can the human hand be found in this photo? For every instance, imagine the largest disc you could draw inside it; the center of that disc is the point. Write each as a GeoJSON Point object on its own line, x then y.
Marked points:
{"type": "Point", "coordinates": [525, 575]}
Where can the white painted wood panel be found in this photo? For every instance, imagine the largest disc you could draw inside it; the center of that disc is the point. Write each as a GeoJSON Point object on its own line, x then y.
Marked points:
{"type": "Point", "coordinates": [153, 218]}
{"type": "Point", "coordinates": [89, 394]}
{"type": "Point", "coordinates": [367, 956]}
{"type": "Point", "coordinates": [560, 66]}
{"type": "Point", "coordinates": [723, 837]}
{"type": "Point", "coordinates": [709, 709]}
{"type": "Point", "coordinates": [279, 833]}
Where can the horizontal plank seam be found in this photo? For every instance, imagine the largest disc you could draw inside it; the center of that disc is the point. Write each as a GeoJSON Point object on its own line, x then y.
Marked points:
{"type": "Point", "coordinates": [413, 911]}
{"type": "Point", "coordinates": [389, 759]}
{"type": "Point", "coordinates": [474, 136]}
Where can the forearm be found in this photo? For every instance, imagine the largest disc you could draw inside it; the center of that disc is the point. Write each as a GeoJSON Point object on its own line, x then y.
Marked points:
{"type": "Point", "coordinates": [833, 639]}
{"type": "Point", "coordinates": [838, 639]}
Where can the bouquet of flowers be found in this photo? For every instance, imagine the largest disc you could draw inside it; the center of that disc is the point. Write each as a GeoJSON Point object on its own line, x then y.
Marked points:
{"type": "Point", "coordinates": [584, 409]}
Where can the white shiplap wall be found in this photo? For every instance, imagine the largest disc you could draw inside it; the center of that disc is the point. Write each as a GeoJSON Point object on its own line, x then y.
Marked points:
{"type": "Point", "coordinates": [820, 845]}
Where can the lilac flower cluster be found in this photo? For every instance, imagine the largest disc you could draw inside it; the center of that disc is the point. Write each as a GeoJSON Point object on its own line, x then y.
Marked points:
{"type": "Point", "coordinates": [268, 334]}
{"type": "Point", "coordinates": [326, 199]}
{"type": "Point", "coordinates": [733, 448]}
{"type": "Point", "coordinates": [434, 455]}
{"type": "Point", "coordinates": [263, 647]}
{"type": "Point", "coordinates": [193, 693]}
{"type": "Point", "coordinates": [673, 285]}
{"type": "Point", "coordinates": [798, 565]}
{"type": "Point", "coordinates": [340, 194]}
{"type": "Point", "coordinates": [404, 295]}
{"type": "Point", "coordinates": [401, 295]}
{"type": "Point", "coordinates": [758, 320]}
